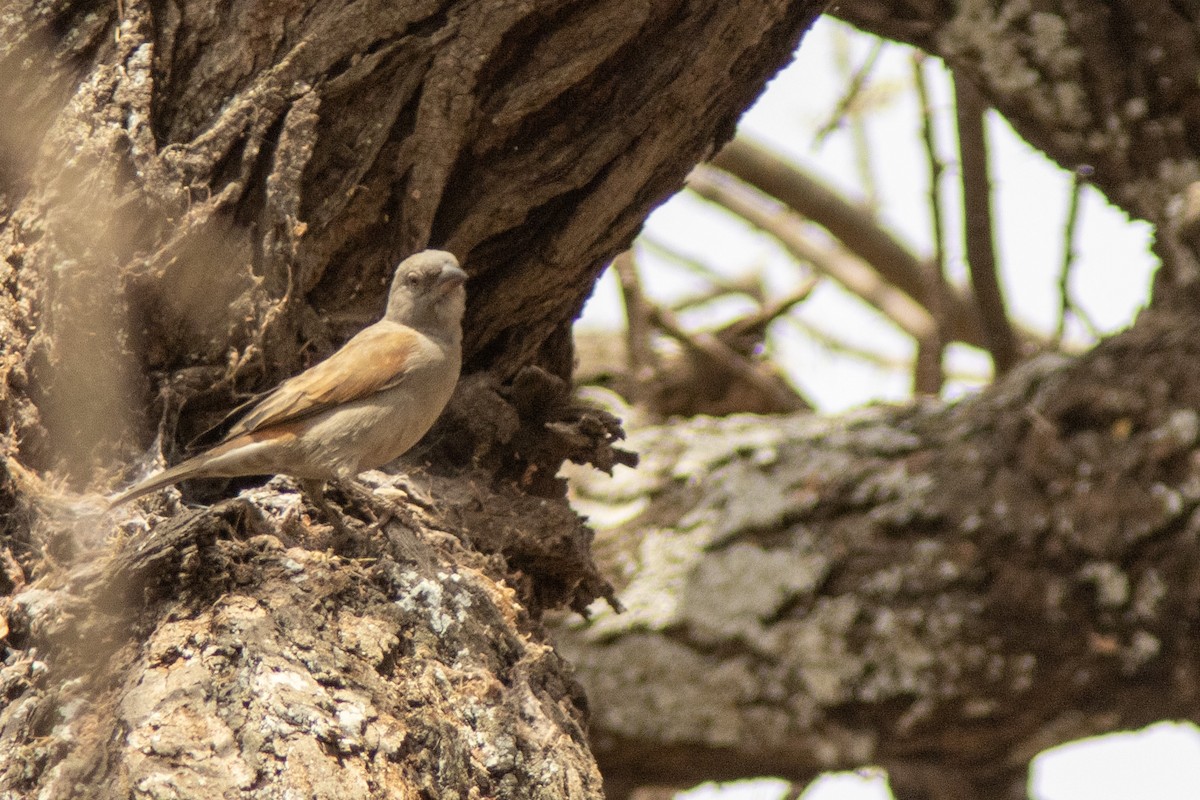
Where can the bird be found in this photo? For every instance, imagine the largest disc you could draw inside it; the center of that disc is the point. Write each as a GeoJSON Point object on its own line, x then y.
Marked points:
{"type": "Point", "coordinates": [363, 406]}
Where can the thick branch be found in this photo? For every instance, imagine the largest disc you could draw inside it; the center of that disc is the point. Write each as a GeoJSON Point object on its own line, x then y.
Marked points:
{"type": "Point", "coordinates": [928, 375]}
{"type": "Point", "coordinates": [943, 590]}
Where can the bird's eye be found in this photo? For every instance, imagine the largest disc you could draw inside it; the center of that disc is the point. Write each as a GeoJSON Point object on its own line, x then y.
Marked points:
{"type": "Point", "coordinates": [413, 279]}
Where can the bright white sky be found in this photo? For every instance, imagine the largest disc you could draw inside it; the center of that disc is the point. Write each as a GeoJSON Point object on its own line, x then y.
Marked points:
{"type": "Point", "coordinates": [1110, 282]}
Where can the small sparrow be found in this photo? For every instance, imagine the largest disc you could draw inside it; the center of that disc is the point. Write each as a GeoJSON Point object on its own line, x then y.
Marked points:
{"type": "Point", "coordinates": [360, 408]}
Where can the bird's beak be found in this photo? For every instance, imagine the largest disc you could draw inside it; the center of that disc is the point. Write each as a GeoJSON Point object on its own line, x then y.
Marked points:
{"type": "Point", "coordinates": [450, 279]}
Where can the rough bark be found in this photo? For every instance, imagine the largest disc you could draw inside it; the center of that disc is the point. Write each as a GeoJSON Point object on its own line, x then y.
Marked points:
{"type": "Point", "coordinates": [198, 200]}
{"type": "Point", "coordinates": [223, 201]}
{"type": "Point", "coordinates": [229, 654]}
{"type": "Point", "coordinates": [944, 591]}
{"type": "Point", "coordinates": [941, 590]}
{"type": "Point", "coordinates": [195, 204]}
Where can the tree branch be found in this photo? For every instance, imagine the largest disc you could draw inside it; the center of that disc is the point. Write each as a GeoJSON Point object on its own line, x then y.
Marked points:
{"type": "Point", "coordinates": [1066, 307]}
{"type": "Point", "coordinates": [930, 588]}
{"type": "Point", "coordinates": [858, 277]}
{"type": "Point", "coordinates": [857, 230]}
{"type": "Point", "coordinates": [1095, 83]}
{"type": "Point", "coordinates": [928, 375]}
{"type": "Point", "coordinates": [639, 315]}
{"type": "Point", "coordinates": [998, 334]}
{"type": "Point", "coordinates": [722, 355]}
{"type": "Point", "coordinates": [850, 95]}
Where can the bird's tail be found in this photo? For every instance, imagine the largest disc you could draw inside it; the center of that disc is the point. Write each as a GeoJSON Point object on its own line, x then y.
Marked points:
{"type": "Point", "coordinates": [192, 468]}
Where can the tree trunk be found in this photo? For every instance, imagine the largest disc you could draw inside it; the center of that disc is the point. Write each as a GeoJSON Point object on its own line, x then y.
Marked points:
{"type": "Point", "coordinates": [196, 203]}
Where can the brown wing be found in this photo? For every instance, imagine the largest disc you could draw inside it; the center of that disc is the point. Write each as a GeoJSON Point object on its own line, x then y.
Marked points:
{"type": "Point", "coordinates": [372, 361]}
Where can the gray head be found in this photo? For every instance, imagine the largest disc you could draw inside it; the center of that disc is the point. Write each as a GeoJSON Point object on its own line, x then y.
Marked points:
{"type": "Point", "coordinates": [427, 293]}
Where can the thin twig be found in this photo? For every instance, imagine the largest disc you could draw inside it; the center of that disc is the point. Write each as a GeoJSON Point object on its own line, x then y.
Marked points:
{"type": "Point", "coordinates": [853, 89]}
{"type": "Point", "coordinates": [858, 276]}
{"type": "Point", "coordinates": [835, 344]}
{"type": "Point", "coordinates": [999, 338]}
{"type": "Point", "coordinates": [773, 311]}
{"type": "Point", "coordinates": [849, 109]}
{"type": "Point", "coordinates": [1066, 305]}
{"type": "Point", "coordinates": [859, 231]}
{"type": "Point", "coordinates": [639, 348]}
{"type": "Point", "coordinates": [693, 265]}
{"type": "Point", "coordinates": [751, 287]}
{"type": "Point", "coordinates": [743, 333]}
{"type": "Point", "coordinates": [722, 354]}
{"type": "Point", "coordinates": [928, 375]}
{"type": "Point", "coordinates": [719, 285]}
